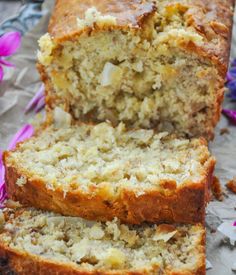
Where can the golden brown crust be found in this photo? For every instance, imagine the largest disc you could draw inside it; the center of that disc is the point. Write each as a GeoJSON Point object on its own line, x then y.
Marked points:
{"type": "Point", "coordinates": [128, 13]}
{"type": "Point", "coordinates": [217, 189]}
{"type": "Point", "coordinates": [184, 204]}
{"type": "Point", "coordinates": [211, 19]}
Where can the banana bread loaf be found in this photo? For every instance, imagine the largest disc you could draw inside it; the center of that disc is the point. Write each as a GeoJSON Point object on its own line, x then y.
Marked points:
{"type": "Point", "coordinates": [35, 242]}
{"type": "Point", "coordinates": [160, 64]}
{"type": "Point", "coordinates": [99, 172]}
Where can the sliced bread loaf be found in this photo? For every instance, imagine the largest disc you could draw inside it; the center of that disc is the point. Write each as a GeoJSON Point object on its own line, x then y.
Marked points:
{"type": "Point", "coordinates": [148, 63]}
{"type": "Point", "coordinates": [36, 242]}
{"type": "Point", "coordinates": [100, 172]}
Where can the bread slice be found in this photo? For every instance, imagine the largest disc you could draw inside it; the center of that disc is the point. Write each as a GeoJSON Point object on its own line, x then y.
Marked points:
{"type": "Point", "coordinates": [147, 64]}
{"type": "Point", "coordinates": [37, 242]}
{"type": "Point", "coordinates": [99, 172]}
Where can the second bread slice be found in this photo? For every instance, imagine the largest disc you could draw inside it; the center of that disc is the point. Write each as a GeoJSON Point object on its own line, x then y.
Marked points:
{"type": "Point", "coordinates": [100, 172]}
{"type": "Point", "coordinates": [36, 242]}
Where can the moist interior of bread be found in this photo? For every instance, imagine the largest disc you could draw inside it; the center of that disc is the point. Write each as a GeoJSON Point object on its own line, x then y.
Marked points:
{"type": "Point", "coordinates": [142, 78]}
{"type": "Point", "coordinates": [110, 245]}
{"type": "Point", "coordinates": [111, 158]}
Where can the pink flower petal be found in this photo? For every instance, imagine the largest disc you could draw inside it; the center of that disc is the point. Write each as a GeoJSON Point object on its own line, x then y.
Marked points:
{"type": "Point", "coordinates": [1, 73]}
{"type": "Point", "coordinates": [6, 63]}
{"type": "Point", "coordinates": [234, 224]}
{"type": "Point", "coordinates": [34, 101]}
{"type": "Point", "coordinates": [2, 169]}
{"type": "Point", "coordinates": [40, 104]}
{"type": "Point", "coordinates": [229, 77]}
{"type": "Point", "coordinates": [2, 181]}
{"type": "Point", "coordinates": [231, 114]}
{"type": "Point", "coordinates": [24, 133]}
{"type": "Point", "coordinates": [3, 192]}
{"type": "Point", "coordinates": [9, 43]}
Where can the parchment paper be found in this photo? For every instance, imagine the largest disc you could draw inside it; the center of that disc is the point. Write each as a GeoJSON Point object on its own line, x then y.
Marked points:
{"type": "Point", "coordinates": [22, 82]}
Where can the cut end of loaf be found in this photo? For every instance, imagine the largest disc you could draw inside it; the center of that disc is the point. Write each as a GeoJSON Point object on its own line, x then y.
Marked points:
{"type": "Point", "coordinates": [94, 246]}
{"type": "Point", "coordinates": [155, 75]}
{"type": "Point", "coordinates": [94, 157]}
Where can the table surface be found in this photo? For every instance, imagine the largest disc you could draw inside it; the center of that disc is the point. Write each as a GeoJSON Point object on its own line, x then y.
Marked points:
{"type": "Point", "coordinates": [8, 9]}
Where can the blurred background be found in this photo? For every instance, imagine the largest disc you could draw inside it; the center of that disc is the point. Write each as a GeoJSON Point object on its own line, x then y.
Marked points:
{"type": "Point", "coordinates": [19, 15]}
{"type": "Point", "coordinates": [9, 8]}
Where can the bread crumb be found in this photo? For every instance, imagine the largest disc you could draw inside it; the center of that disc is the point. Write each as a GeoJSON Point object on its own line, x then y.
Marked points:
{"type": "Point", "coordinates": [224, 131]}
{"type": "Point", "coordinates": [234, 266]}
{"type": "Point", "coordinates": [217, 189]}
{"type": "Point", "coordinates": [21, 181]}
{"type": "Point", "coordinates": [231, 185]}
{"type": "Point", "coordinates": [46, 46]}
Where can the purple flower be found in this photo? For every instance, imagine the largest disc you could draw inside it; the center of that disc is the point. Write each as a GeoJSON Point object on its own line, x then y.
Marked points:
{"type": "Point", "coordinates": [2, 185]}
{"type": "Point", "coordinates": [231, 80]}
{"type": "Point", "coordinates": [234, 224]}
{"type": "Point", "coordinates": [9, 44]}
{"type": "Point", "coordinates": [231, 114]}
{"type": "Point", "coordinates": [37, 102]}
{"type": "Point", "coordinates": [24, 133]}
{"type": "Point", "coordinates": [231, 85]}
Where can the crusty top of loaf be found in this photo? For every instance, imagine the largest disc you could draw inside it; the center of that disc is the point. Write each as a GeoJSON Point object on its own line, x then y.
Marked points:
{"type": "Point", "coordinates": [212, 19]}
{"type": "Point", "coordinates": [127, 12]}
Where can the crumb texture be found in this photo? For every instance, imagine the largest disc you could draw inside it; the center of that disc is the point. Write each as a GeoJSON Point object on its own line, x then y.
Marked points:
{"type": "Point", "coordinates": [105, 246]}
{"type": "Point", "coordinates": [148, 66]}
{"type": "Point", "coordinates": [83, 157]}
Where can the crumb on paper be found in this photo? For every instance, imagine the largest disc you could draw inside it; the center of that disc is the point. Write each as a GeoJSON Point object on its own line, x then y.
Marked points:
{"type": "Point", "coordinates": [228, 230]}
{"type": "Point", "coordinates": [231, 185]}
{"type": "Point", "coordinates": [208, 265]}
{"type": "Point", "coordinates": [217, 189]}
{"type": "Point", "coordinates": [224, 131]}
{"type": "Point", "coordinates": [213, 230]}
